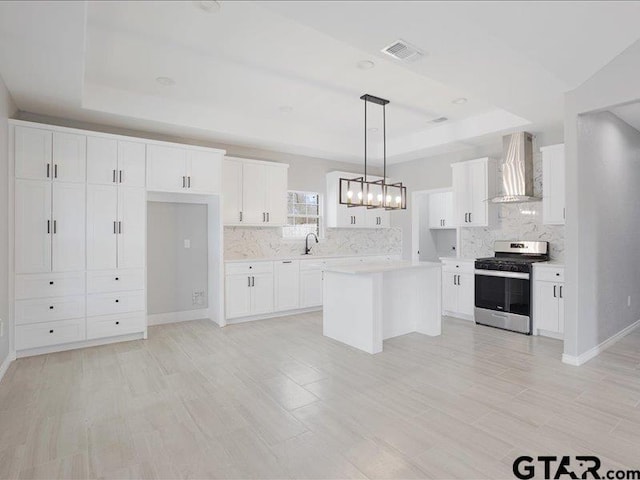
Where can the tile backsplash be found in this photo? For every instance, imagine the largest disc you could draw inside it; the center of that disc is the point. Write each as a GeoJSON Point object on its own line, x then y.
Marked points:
{"type": "Point", "coordinates": [248, 242]}
{"type": "Point", "coordinates": [519, 221]}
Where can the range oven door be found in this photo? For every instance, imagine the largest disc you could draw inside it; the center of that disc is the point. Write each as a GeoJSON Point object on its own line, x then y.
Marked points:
{"type": "Point", "coordinates": [503, 300]}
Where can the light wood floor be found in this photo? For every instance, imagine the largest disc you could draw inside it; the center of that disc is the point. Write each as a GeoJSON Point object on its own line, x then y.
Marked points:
{"type": "Point", "coordinates": [275, 399]}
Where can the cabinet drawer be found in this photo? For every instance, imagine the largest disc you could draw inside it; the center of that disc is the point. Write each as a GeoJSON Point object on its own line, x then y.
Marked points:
{"type": "Point", "coordinates": [49, 333]}
{"type": "Point", "coordinates": [49, 309]}
{"type": "Point", "coordinates": [112, 303]}
{"type": "Point", "coordinates": [458, 267]}
{"type": "Point", "coordinates": [115, 281]}
{"type": "Point", "coordinates": [549, 274]}
{"type": "Point", "coordinates": [249, 267]}
{"type": "Point", "coordinates": [114, 325]}
{"type": "Point", "coordinates": [312, 265]}
{"type": "Point", "coordinates": [49, 285]}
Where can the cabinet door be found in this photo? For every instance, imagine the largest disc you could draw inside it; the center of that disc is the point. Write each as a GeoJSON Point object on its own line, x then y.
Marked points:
{"type": "Point", "coordinates": [447, 206]}
{"type": "Point", "coordinates": [310, 288]}
{"type": "Point", "coordinates": [33, 153]}
{"type": "Point", "coordinates": [102, 216]}
{"type": "Point", "coordinates": [102, 161]}
{"type": "Point", "coordinates": [262, 293]}
{"type": "Point", "coordinates": [466, 293]}
{"type": "Point", "coordinates": [461, 194]}
{"type": "Point", "coordinates": [204, 171]}
{"type": "Point", "coordinates": [477, 177]}
{"type": "Point", "coordinates": [449, 292]}
{"type": "Point", "coordinates": [546, 306]}
{"type": "Point", "coordinates": [69, 157]}
{"type": "Point", "coordinates": [231, 192]}
{"type": "Point", "coordinates": [553, 186]}
{"type": "Point", "coordinates": [287, 285]}
{"type": "Point", "coordinates": [69, 203]}
{"type": "Point", "coordinates": [237, 295]}
{"type": "Point", "coordinates": [276, 195]}
{"type": "Point", "coordinates": [132, 160]}
{"type": "Point", "coordinates": [359, 216]}
{"type": "Point", "coordinates": [436, 210]}
{"type": "Point", "coordinates": [166, 169]}
{"type": "Point", "coordinates": [33, 226]}
{"type": "Point", "coordinates": [254, 194]}
{"type": "Point", "coordinates": [132, 221]}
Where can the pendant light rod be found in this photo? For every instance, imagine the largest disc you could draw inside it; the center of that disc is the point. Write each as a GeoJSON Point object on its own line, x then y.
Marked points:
{"type": "Point", "coordinates": [365, 139]}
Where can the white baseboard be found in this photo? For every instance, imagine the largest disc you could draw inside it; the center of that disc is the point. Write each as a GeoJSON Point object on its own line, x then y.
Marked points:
{"type": "Point", "coordinates": [175, 317]}
{"type": "Point", "coordinates": [595, 351]}
{"type": "Point", "coordinates": [11, 356]}
{"type": "Point", "coordinates": [286, 313]}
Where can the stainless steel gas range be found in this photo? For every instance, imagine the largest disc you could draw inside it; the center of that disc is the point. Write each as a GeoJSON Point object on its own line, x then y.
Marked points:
{"type": "Point", "coordinates": [503, 285]}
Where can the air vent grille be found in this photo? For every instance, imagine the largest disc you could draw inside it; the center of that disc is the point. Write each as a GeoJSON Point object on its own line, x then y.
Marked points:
{"type": "Point", "coordinates": [439, 120]}
{"type": "Point", "coordinates": [403, 51]}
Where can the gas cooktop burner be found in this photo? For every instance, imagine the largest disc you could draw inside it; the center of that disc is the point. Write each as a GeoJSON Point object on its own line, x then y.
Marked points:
{"type": "Point", "coordinates": [514, 256]}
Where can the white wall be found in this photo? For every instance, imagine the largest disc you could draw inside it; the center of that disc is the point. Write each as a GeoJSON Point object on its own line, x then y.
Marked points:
{"type": "Point", "coordinates": [174, 272]}
{"type": "Point", "coordinates": [617, 83]}
{"type": "Point", "coordinates": [7, 109]}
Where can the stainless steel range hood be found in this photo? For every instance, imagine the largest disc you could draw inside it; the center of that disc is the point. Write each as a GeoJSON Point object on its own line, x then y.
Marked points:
{"type": "Point", "coordinates": [517, 169]}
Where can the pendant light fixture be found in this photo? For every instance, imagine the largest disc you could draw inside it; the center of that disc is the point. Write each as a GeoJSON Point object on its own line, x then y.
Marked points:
{"type": "Point", "coordinates": [362, 192]}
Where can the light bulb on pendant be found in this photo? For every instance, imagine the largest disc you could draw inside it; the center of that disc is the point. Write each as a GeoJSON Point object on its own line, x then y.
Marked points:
{"type": "Point", "coordinates": [379, 198]}
{"type": "Point", "coordinates": [369, 197]}
{"type": "Point", "coordinates": [388, 199]}
{"type": "Point", "coordinates": [398, 200]}
{"type": "Point", "coordinates": [349, 194]}
{"type": "Point", "coordinates": [359, 195]}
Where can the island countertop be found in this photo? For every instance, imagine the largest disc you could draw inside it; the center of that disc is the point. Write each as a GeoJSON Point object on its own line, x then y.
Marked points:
{"type": "Point", "coordinates": [377, 267]}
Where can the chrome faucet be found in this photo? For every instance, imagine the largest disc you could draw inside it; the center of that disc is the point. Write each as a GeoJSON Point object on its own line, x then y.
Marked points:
{"type": "Point", "coordinates": [307, 248]}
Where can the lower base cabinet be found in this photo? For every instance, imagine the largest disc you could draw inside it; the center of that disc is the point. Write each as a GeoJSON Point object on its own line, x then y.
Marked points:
{"type": "Point", "coordinates": [249, 289]}
{"type": "Point", "coordinates": [548, 300]}
{"type": "Point", "coordinates": [49, 333]}
{"type": "Point", "coordinates": [114, 325]}
{"type": "Point", "coordinates": [311, 288]}
{"type": "Point", "coordinates": [458, 288]}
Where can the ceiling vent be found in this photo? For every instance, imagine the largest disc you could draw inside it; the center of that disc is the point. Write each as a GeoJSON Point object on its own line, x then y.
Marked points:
{"type": "Point", "coordinates": [403, 51]}
{"type": "Point", "coordinates": [439, 120]}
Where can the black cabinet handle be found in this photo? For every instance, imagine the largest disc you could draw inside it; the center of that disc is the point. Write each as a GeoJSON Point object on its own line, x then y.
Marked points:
{"type": "Point", "coordinates": [557, 274]}
{"type": "Point", "coordinates": [253, 281]}
{"type": "Point", "coordinates": [240, 216]}
{"type": "Point", "coordinates": [470, 217]}
{"type": "Point", "coordinates": [55, 226]}
{"type": "Point", "coordinates": [113, 176]}
{"type": "Point", "coordinates": [50, 331]}
{"type": "Point", "coordinates": [115, 228]}
{"type": "Point", "coordinates": [268, 216]}
{"type": "Point", "coordinates": [183, 181]}
{"type": "Point", "coordinates": [48, 226]}
{"type": "Point", "coordinates": [554, 291]}
{"type": "Point", "coordinates": [48, 169]}
{"type": "Point", "coordinates": [117, 278]}
{"type": "Point", "coordinates": [287, 261]}
{"type": "Point", "coordinates": [120, 179]}
{"type": "Point", "coordinates": [561, 291]}
{"type": "Point", "coordinates": [248, 281]}
{"type": "Point", "coordinates": [117, 300]}
{"type": "Point", "coordinates": [189, 181]}
{"type": "Point", "coordinates": [119, 227]}
{"type": "Point", "coordinates": [117, 323]}
{"type": "Point", "coordinates": [55, 171]}
{"type": "Point", "coordinates": [51, 282]}
{"type": "Point", "coordinates": [50, 307]}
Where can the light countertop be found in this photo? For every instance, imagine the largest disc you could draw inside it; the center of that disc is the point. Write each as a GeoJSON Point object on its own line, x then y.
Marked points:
{"type": "Point", "coordinates": [311, 257]}
{"type": "Point", "coordinates": [549, 264]}
{"type": "Point", "coordinates": [456, 259]}
{"type": "Point", "coordinates": [378, 267]}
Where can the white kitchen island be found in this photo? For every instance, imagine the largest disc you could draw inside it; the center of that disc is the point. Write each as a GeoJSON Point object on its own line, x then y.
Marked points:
{"type": "Point", "coordinates": [367, 303]}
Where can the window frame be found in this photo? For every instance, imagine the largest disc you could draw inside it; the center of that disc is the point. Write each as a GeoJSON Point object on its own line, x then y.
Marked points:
{"type": "Point", "coordinates": [320, 215]}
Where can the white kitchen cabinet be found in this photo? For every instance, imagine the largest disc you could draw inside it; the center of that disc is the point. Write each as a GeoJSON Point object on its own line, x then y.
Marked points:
{"type": "Point", "coordinates": [48, 309]}
{"type": "Point", "coordinates": [176, 169]}
{"type": "Point", "coordinates": [44, 334]}
{"type": "Point", "coordinates": [115, 302]}
{"type": "Point", "coordinates": [105, 326]}
{"type": "Point", "coordinates": [32, 226]}
{"type": "Point", "coordinates": [116, 227]}
{"type": "Point", "coordinates": [548, 300]}
{"type": "Point", "coordinates": [262, 293]}
{"type": "Point", "coordinates": [68, 229]}
{"type": "Point", "coordinates": [115, 162]}
{"type": "Point", "coordinates": [441, 210]}
{"type": "Point", "coordinates": [553, 185]}
{"type": "Point", "coordinates": [458, 288]}
{"type": "Point", "coordinates": [287, 285]}
{"type": "Point", "coordinates": [232, 192]}
{"type": "Point", "coordinates": [338, 215]}
{"type": "Point", "coordinates": [237, 295]}
{"type": "Point", "coordinates": [249, 288]}
{"type": "Point", "coordinates": [255, 193]}
{"type": "Point", "coordinates": [69, 157]}
{"type": "Point", "coordinates": [33, 153]}
{"type": "Point", "coordinates": [49, 226]}
{"type": "Point", "coordinates": [474, 184]}
{"type": "Point", "coordinates": [311, 288]}
{"type": "Point", "coordinates": [43, 285]}
{"type": "Point", "coordinates": [44, 155]}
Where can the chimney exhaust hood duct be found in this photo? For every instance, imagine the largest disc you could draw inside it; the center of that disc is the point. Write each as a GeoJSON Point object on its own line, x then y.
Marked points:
{"type": "Point", "coordinates": [517, 169]}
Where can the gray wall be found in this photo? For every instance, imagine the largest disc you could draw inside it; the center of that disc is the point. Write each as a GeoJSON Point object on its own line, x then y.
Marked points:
{"type": "Point", "coordinates": [617, 83]}
{"type": "Point", "coordinates": [174, 272]}
{"type": "Point", "coordinates": [7, 109]}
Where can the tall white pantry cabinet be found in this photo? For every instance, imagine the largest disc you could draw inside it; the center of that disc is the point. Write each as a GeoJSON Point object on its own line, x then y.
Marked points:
{"type": "Point", "coordinates": [80, 232]}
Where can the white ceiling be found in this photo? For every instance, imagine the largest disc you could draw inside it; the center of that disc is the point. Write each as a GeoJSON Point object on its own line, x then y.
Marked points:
{"type": "Point", "coordinates": [234, 69]}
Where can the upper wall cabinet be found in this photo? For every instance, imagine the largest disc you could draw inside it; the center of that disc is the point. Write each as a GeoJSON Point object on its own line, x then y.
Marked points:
{"type": "Point", "coordinates": [441, 210]}
{"type": "Point", "coordinates": [553, 185]}
{"type": "Point", "coordinates": [474, 184]}
{"type": "Point", "coordinates": [115, 162]}
{"type": "Point", "coordinates": [44, 155]}
{"type": "Point", "coordinates": [343, 216]}
{"type": "Point", "coordinates": [175, 169]}
{"type": "Point", "coordinates": [254, 192]}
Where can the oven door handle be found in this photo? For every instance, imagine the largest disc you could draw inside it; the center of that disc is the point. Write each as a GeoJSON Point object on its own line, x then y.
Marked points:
{"type": "Point", "coordinates": [500, 273]}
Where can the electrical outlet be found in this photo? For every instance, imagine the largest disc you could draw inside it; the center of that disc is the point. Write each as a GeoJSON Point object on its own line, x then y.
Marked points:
{"type": "Point", "coordinates": [197, 298]}
{"type": "Point", "coordinates": [187, 243]}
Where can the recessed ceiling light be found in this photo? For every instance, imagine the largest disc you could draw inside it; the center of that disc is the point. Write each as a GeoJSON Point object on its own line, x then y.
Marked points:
{"type": "Point", "coordinates": [208, 5]}
{"type": "Point", "coordinates": [372, 130]}
{"type": "Point", "coordinates": [166, 81]}
{"type": "Point", "coordinates": [439, 120]}
{"type": "Point", "coordinates": [285, 109]}
{"type": "Point", "coordinates": [365, 64]}
{"type": "Point", "coordinates": [459, 101]}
